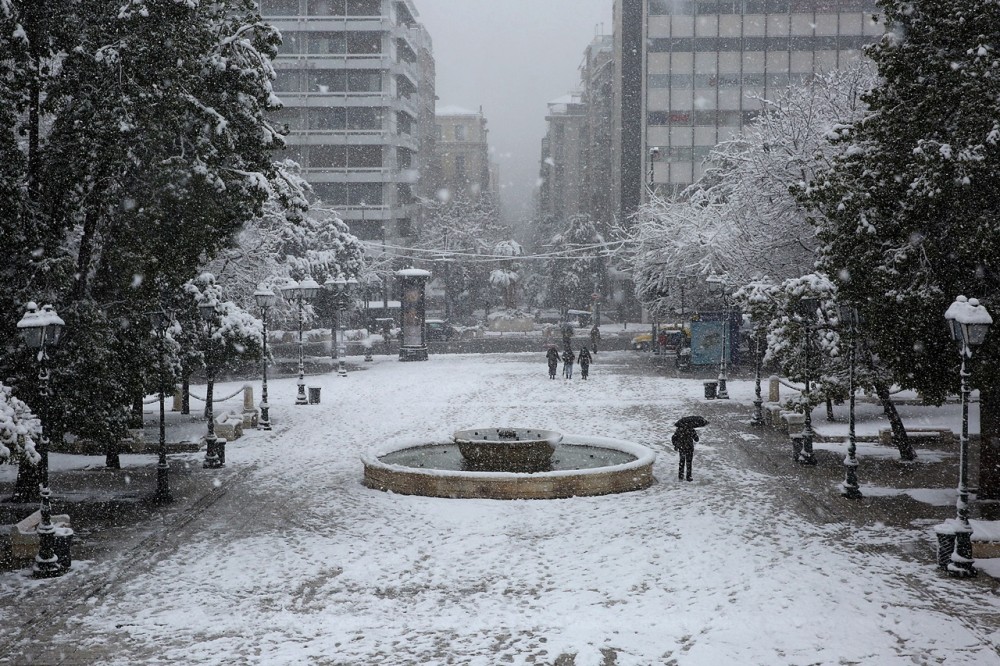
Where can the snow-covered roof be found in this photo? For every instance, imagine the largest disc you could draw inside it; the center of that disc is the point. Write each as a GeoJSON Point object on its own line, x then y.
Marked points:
{"type": "Point", "coordinates": [451, 110]}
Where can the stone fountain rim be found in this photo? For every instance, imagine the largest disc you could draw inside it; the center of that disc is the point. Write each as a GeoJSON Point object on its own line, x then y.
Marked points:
{"type": "Point", "coordinates": [644, 457]}
{"type": "Point", "coordinates": [550, 436]}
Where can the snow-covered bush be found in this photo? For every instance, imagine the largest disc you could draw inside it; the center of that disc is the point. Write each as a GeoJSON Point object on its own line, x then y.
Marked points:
{"type": "Point", "coordinates": [19, 428]}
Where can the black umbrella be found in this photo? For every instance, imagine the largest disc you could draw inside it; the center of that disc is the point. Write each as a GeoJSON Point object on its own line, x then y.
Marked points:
{"type": "Point", "coordinates": [693, 421]}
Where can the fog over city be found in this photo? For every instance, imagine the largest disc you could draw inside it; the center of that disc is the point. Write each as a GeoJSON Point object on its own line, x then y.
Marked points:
{"type": "Point", "coordinates": [511, 57]}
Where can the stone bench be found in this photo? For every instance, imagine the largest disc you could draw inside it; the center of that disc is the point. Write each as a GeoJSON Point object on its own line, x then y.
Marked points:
{"type": "Point", "coordinates": [920, 436]}
{"type": "Point", "coordinates": [229, 426]}
{"type": "Point", "coordinates": [792, 422]}
{"type": "Point", "coordinates": [24, 535]}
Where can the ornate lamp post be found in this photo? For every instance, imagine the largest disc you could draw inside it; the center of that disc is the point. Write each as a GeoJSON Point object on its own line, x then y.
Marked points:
{"type": "Point", "coordinates": [161, 322]}
{"type": "Point", "coordinates": [215, 447]}
{"type": "Point", "coordinates": [850, 316]}
{"type": "Point", "coordinates": [758, 356]}
{"type": "Point", "coordinates": [265, 301]}
{"type": "Point", "coordinates": [305, 290]}
{"type": "Point", "coordinates": [969, 323]}
{"type": "Point", "coordinates": [654, 154]}
{"type": "Point", "coordinates": [41, 329]}
{"type": "Point", "coordinates": [343, 290]}
{"type": "Point", "coordinates": [807, 312]}
{"type": "Point", "coordinates": [720, 284]}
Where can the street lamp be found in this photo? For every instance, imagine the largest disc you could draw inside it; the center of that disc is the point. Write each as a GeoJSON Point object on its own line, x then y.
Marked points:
{"type": "Point", "coordinates": [342, 290]}
{"type": "Point", "coordinates": [305, 290]}
{"type": "Point", "coordinates": [723, 393]}
{"type": "Point", "coordinates": [968, 322]}
{"type": "Point", "coordinates": [654, 154]}
{"type": "Point", "coordinates": [42, 328]}
{"type": "Point", "coordinates": [758, 403]}
{"type": "Point", "coordinates": [807, 311]}
{"type": "Point", "coordinates": [161, 322]}
{"type": "Point", "coordinates": [849, 315]}
{"type": "Point", "coordinates": [215, 447]}
{"type": "Point", "coordinates": [265, 301]}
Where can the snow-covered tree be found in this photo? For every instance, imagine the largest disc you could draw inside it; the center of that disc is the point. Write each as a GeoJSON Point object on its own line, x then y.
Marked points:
{"type": "Point", "coordinates": [506, 277]}
{"type": "Point", "coordinates": [907, 215]}
{"type": "Point", "coordinates": [579, 264]}
{"type": "Point", "coordinates": [20, 430]}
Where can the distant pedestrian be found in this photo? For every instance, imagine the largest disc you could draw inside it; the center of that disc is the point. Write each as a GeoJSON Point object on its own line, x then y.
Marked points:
{"type": "Point", "coordinates": [595, 337]}
{"type": "Point", "coordinates": [552, 356]}
{"type": "Point", "coordinates": [568, 357]}
{"type": "Point", "coordinates": [683, 440]}
{"type": "Point", "coordinates": [584, 359]}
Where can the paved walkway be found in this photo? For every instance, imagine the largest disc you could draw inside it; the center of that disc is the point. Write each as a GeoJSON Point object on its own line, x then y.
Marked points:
{"type": "Point", "coordinates": [124, 539]}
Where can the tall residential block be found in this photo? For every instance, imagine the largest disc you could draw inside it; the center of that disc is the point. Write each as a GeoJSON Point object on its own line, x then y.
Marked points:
{"type": "Point", "coordinates": [462, 152]}
{"type": "Point", "coordinates": [357, 81]}
{"type": "Point", "coordinates": [690, 74]}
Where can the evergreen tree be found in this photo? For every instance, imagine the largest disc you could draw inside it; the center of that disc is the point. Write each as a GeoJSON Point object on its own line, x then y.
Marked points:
{"type": "Point", "coordinates": [580, 265]}
{"type": "Point", "coordinates": [908, 215]}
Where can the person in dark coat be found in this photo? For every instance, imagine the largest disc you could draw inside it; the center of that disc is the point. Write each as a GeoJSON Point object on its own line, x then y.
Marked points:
{"type": "Point", "coordinates": [595, 337]}
{"type": "Point", "coordinates": [683, 440]}
{"type": "Point", "coordinates": [552, 356]}
{"type": "Point", "coordinates": [568, 357]}
{"type": "Point", "coordinates": [584, 359]}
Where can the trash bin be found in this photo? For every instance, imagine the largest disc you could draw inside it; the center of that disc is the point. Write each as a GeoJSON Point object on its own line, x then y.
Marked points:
{"type": "Point", "coordinates": [711, 389]}
{"type": "Point", "coordinates": [946, 546]}
{"type": "Point", "coordinates": [314, 395]}
{"type": "Point", "coordinates": [62, 545]}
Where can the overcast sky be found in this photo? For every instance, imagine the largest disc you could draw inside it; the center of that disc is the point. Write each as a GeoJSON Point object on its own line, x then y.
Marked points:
{"type": "Point", "coordinates": [511, 57]}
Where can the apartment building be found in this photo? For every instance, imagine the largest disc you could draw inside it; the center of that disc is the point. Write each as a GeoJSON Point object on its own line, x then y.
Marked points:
{"type": "Point", "coordinates": [564, 151]}
{"type": "Point", "coordinates": [462, 152]}
{"type": "Point", "coordinates": [357, 81]}
{"type": "Point", "coordinates": [689, 74]}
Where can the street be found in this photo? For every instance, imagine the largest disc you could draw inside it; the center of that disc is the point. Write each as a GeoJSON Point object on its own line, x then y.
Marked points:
{"type": "Point", "coordinates": [284, 557]}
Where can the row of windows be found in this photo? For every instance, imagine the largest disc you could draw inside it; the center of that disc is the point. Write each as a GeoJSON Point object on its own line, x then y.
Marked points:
{"type": "Point", "coordinates": [693, 7]}
{"type": "Point", "coordinates": [744, 44]}
{"type": "Point", "coordinates": [701, 118]}
{"type": "Point", "coordinates": [349, 194]}
{"type": "Point", "coordinates": [684, 153]}
{"type": "Point", "coordinates": [328, 80]}
{"type": "Point", "coordinates": [728, 80]}
{"type": "Point", "coordinates": [345, 157]}
{"type": "Point", "coordinates": [331, 43]}
{"type": "Point", "coordinates": [331, 118]}
{"type": "Point", "coordinates": [321, 7]}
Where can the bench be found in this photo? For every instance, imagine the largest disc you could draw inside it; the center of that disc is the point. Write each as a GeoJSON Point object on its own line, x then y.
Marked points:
{"type": "Point", "coordinates": [921, 436]}
{"type": "Point", "coordinates": [24, 535]}
{"type": "Point", "coordinates": [229, 426]}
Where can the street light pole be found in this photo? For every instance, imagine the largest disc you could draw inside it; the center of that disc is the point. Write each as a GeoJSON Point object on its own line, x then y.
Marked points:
{"type": "Point", "coordinates": [807, 311]}
{"type": "Point", "coordinates": [720, 283]}
{"type": "Point", "coordinates": [215, 452]}
{"type": "Point", "coordinates": [41, 328]}
{"type": "Point", "coordinates": [758, 402]}
{"type": "Point", "coordinates": [265, 301]}
{"type": "Point", "coordinates": [301, 292]}
{"type": "Point", "coordinates": [851, 490]}
{"type": "Point", "coordinates": [654, 154]}
{"type": "Point", "coordinates": [161, 322]}
{"type": "Point", "coordinates": [969, 323]}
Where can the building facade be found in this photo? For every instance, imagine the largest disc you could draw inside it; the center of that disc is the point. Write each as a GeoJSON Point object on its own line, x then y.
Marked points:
{"type": "Point", "coordinates": [564, 151]}
{"type": "Point", "coordinates": [356, 78]}
{"type": "Point", "coordinates": [702, 68]}
{"type": "Point", "coordinates": [462, 152]}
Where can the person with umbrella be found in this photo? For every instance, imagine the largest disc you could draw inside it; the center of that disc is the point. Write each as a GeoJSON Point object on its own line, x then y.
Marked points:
{"type": "Point", "coordinates": [683, 440]}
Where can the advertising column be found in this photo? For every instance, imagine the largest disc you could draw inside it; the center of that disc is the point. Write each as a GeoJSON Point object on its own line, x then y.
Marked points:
{"type": "Point", "coordinates": [412, 282]}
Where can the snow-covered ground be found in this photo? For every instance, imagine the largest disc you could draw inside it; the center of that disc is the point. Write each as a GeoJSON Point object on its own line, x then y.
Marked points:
{"type": "Point", "coordinates": [297, 562]}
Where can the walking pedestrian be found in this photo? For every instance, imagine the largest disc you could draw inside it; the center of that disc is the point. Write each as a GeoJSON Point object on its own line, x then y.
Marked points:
{"type": "Point", "coordinates": [595, 337]}
{"type": "Point", "coordinates": [568, 357]}
{"type": "Point", "coordinates": [584, 359]}
{"type": "Point", "coordinates": [552, 356]}
{"type": "Point", "coordinates": [683, 440]}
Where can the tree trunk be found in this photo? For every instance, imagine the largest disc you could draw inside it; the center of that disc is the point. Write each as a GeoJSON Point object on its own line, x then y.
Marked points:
{"type": "Point", "coordinates": [185, 395]}
{"type": "Point", "coordinates": [989, 444]}
{"type": "Point", "coordinates": [26, 487]}
{"type": "Point", "coordinates": [899, 437]}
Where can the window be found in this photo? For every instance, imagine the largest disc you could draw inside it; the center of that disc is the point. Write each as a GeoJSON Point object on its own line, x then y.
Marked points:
{"type": "Point", "coordinates": [321, 43]}
{"type": "Point", "coordinates": [286, 81]}
{"type": "Point", "coordinates": [440, 132]}
{"type": "Point", "coordinates": [368, 193]}
{"type": "Point", "coordinates": [364, 7]}
{"type": "Point", "coordinates": [364, 157]}
{"type": "Point", "coordinates": [326, 7]}
{"type": "Point", "coordinates": [404, 123]}
{"type": "Point", "coordinates": [459, 132]}
{"type": "Point", "coordinates": [329, 118]}
{"type": "Point", "coordinates": [331, 193]}
{"type": "Point", "coordinates": [327, 80]}
{"type": "Point", "coordinates": [460, 167]}
{"type": "Point", "coordinates": [290, 117]}
{"type": "Point", "coordinates": [361, 43]}
{"type": "Point", "coordinates": [364, 80]}
{"type": "Point", "coordinates": [279, 7]}
{"type": "Point", "coordinates": [404, 158]}
{"type": "Point", "coordinates": [364, 118]}
{"type": "Point", "coordinates": [291, 42]}
{"type": "Point", "coordinates": [334, 157]}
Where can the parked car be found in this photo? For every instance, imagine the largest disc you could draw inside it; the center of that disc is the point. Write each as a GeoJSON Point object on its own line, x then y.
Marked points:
{"type": "Point", "coordinates": [438, 330]}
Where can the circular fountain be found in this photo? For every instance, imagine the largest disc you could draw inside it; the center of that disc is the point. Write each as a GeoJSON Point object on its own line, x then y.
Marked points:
{"type": "Point", "coordinates": [511, 463]}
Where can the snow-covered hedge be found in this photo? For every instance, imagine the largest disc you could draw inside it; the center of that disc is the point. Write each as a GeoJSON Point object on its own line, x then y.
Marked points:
{"type": "Point", "coordinates": [19, 428]}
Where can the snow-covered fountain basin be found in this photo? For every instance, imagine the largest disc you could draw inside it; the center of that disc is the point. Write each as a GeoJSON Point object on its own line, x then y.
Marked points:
{"type": "Point", "coordinates": [579, 465]}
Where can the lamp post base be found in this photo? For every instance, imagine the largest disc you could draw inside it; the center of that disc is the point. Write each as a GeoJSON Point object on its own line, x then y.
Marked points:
{"type": "Point", "coordinates": [215, 453]}
{"type": "Point", "coordinates": [757, 420]}
{"type": "Point", "coordinates": [300, 397]}
{"type": "Point", "coordinates": [162, 494]}
{"type": "Point", "coordinates": [850, 489]}
{"type": "Point", "coordinates": [954, 553]}
{"type": "Point", "coordinates": [723, 393]}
